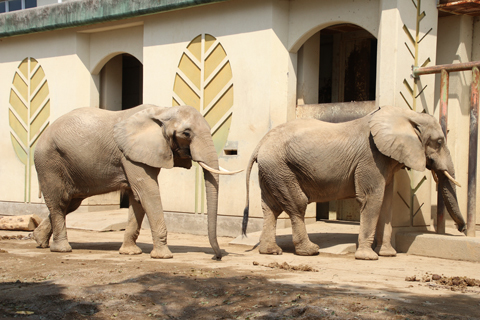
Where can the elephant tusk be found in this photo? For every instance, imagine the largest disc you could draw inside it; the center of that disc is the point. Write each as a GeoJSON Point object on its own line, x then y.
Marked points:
{"type": "Point", "coordinates": [225, 172]}
{"type": "Point", "coordinates": [434, 176]}
{"type": "Point", "coordinates": [451, 179]}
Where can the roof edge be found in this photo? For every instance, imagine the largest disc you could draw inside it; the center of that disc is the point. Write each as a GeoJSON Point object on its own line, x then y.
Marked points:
{"type": "Point", "coordinates": [85, 12]}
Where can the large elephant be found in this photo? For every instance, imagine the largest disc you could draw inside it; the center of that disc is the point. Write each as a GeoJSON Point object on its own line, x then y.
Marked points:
{"type": "Point", "coordinates": [307, 160]}
{"type": "Point", "coordinates": [91, 151]}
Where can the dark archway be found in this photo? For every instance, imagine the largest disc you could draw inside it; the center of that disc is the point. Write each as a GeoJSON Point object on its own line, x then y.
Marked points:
{"type": "Point", "coordinates": [337, 67]}
{"type": "Point", "coordinates": [348, 60]}
{"type": "Point", "coordinates": [121, 88]}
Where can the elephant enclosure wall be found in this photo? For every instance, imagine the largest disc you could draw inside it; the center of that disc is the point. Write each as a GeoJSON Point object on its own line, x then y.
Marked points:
{"type": "Point", "coordinates": [248, 66]}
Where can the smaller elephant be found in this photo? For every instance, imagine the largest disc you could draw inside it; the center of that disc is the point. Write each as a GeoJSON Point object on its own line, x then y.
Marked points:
{"type": "Point", "coordinates": [90, 151]}
{"type": "Point", "coordinates": [308, 160]}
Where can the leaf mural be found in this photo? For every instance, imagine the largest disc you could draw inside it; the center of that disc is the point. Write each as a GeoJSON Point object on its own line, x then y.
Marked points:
{"type": "Point", "coordinates": [28, 114]}
{"type": "Point", "coordinates": [204, 81]}
{"type": "Point", "coordinates": [413, 92]}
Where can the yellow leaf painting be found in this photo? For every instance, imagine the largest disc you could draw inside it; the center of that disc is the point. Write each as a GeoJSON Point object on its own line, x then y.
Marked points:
{"type": "Point", "coordinates": [204, 80]}
{"type": "Point", "coordinates": [28, 113]}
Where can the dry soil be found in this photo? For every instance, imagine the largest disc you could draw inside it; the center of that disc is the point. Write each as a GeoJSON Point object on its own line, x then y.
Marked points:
{"type": "Point", "coordinates": [95, 282]}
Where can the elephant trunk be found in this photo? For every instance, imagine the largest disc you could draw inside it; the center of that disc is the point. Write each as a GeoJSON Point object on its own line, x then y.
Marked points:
{"type": "Point", "coordinates": [203, 151]}
{"type": "Point", "coordinates": [448, 190]}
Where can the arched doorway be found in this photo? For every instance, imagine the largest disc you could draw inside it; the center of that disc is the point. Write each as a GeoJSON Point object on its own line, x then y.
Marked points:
{"type": "Point", "coordinates": [121, 88]}
{"type": "Point", "coordinates": [348, 59]}
{"type": "Point", "coordinates": [121, 83]}
{"type": "Point", "coordinates": [336, 70]}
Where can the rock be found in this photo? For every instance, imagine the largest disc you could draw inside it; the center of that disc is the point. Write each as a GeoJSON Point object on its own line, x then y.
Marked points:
{"type": "Point", "coordinates": [20, 223]}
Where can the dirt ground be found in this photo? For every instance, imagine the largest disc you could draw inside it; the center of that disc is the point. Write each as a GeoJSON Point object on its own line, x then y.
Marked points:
{"type": "Point", "coordinates": [95, 282]}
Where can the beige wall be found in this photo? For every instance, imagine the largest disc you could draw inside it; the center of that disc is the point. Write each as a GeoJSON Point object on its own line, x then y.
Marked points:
{"type": "Point", "coordinates": [66, 76]}
{"type": "Point", "coordinates": [456, 44]}
{"type": "Point", "coordinates": [47, 2]}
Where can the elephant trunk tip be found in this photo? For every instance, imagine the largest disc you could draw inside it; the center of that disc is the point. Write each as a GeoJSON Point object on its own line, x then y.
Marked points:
{"type": "Point", "coordinates": [217, 257]}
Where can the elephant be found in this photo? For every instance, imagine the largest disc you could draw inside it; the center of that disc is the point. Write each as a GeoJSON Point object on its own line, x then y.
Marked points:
{"type": "Point", "coordinates": [91, 151]}
{"type": "Point", "coordinates": [308, 160]}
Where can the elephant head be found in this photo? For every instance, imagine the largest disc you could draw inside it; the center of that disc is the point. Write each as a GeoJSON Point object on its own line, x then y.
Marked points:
{"type": "Point", "coordinates": [173, 137]}
{"type": "Point", "coordinates": [417, 140]}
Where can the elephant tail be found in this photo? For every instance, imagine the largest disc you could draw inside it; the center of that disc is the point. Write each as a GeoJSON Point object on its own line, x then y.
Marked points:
{"type": "Point", "coordinates": [252, 160]}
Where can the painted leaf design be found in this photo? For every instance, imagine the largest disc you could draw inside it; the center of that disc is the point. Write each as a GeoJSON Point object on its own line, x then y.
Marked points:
{"type": "Point", "coordinates": [28, 113]}
{"type": "Point", "coordinates": [204, 81]}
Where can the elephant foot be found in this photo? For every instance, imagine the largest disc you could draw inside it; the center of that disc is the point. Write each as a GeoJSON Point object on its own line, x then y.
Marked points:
{"type": "Point", "coordinates": [271, 248]}
{"type": "Point", "coordinates": [365, 254]}
{"type": "Point", "coordinates": [130, 249]}
{"type": "Point", "coordinates": [307, 249]}
{"type": "Point", "coordinates": [386, 251]}
{"type": "Point", "coordinates": [60, 246]}
{"type": "Point", "coordinates": [161, 253]}
{"type": "Point", "coordinates": [42, 236]}
{"type": "Point", "coordinates": [42, 240]}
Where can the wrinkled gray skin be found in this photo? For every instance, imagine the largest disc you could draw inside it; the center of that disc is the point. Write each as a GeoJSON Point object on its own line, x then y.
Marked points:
{"type": "Point", "coordinates": [92, 151]}
{"type": "Point", "coordinates": [308, 160]}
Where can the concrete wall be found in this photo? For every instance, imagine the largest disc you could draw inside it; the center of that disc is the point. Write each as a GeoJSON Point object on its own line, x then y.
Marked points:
{"type": "Point", "coordinates": [47, 2]}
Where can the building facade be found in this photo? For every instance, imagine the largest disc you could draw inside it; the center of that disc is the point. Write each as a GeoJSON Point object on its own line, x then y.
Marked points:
{"type": "Point", "coordinates": [248, 66]}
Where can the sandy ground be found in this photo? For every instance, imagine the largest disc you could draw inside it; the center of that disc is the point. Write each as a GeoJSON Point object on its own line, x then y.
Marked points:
{"type": "Point", "coordinates": [95, 282]}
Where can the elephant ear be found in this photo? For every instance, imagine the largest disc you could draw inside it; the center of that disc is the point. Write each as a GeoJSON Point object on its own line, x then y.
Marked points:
{"type": "Point", "coordinates": [397, 136]}
{"type": "Point", "coordinates": [141, 138]}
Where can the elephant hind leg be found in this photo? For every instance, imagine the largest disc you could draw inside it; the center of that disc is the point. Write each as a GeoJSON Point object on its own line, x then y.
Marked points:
{"type": "Point", "coordinates": [303, 245]}
{"type": "Point", "coordinates": [59, 228]}
{"type": "Point", "coordinates": [43, 231]}
{"type": "Point", "coordinates": [268, 243]}
{"type": "Point", "coordinates": [134, 224]}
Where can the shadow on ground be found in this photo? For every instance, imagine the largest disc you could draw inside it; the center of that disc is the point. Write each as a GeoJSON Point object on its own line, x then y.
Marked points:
{"type": "Point", "coordinates": [146, 247]}
{"type": "Point", "coordinates": [191, 293]}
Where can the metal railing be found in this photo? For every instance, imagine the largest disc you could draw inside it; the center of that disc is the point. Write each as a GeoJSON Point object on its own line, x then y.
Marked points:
{"type": "Point", "coordinates": [445, 70]}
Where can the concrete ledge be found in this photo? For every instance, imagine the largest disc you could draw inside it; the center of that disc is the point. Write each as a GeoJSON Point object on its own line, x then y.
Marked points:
{"type": "Point", "coordinates": [20, 208]}
{"type": "Point", "coordinates": [227, 226]}
{"type": "Point", "coordinates": [115, 220]}
{"type": "Point", "coordinates": [448, 246]}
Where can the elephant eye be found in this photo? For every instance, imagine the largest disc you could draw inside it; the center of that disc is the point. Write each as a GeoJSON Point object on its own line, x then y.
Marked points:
{"type": "Point", "coordinates": [186, 134]}
{"type": "Point", "coordinates": [440, 142]}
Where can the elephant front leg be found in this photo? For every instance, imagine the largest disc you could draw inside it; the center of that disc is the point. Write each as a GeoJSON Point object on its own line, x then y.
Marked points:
{"type": "Point", "coordinates": [144, 186]}
{"type": "Point", "coordinates": [153, 207]}
{"type": "Point", "coordinates": [368, 221]}
{"type": "Point", "coordinates": [268, 243]}
{"type": "Point", "coordinates": [135, 219]}
{"type": "Point", "coordinates": [383, 232]}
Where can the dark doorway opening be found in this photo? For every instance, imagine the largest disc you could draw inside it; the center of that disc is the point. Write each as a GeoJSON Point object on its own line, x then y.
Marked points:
{"type": "Point", "coordinates": [132, 82]}
{"type": "Point", "coordinates": [348, 64]}
{"type": "Point", "coordinates": [121, 88]}
{"type": "Point", "coordinates": [132, 93]}
{"type": "Point", "coordinates": [348, 67]}
{"type": "Point", "coordinates": [337, 69]}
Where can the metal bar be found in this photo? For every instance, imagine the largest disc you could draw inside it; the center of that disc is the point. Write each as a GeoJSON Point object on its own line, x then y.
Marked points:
{"type": "Point", "coordinates": [443, 118]}
{"type": "Point", "coordinates": [472, 154]}
{"type": "Point", "coordinates": [447, 67]}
